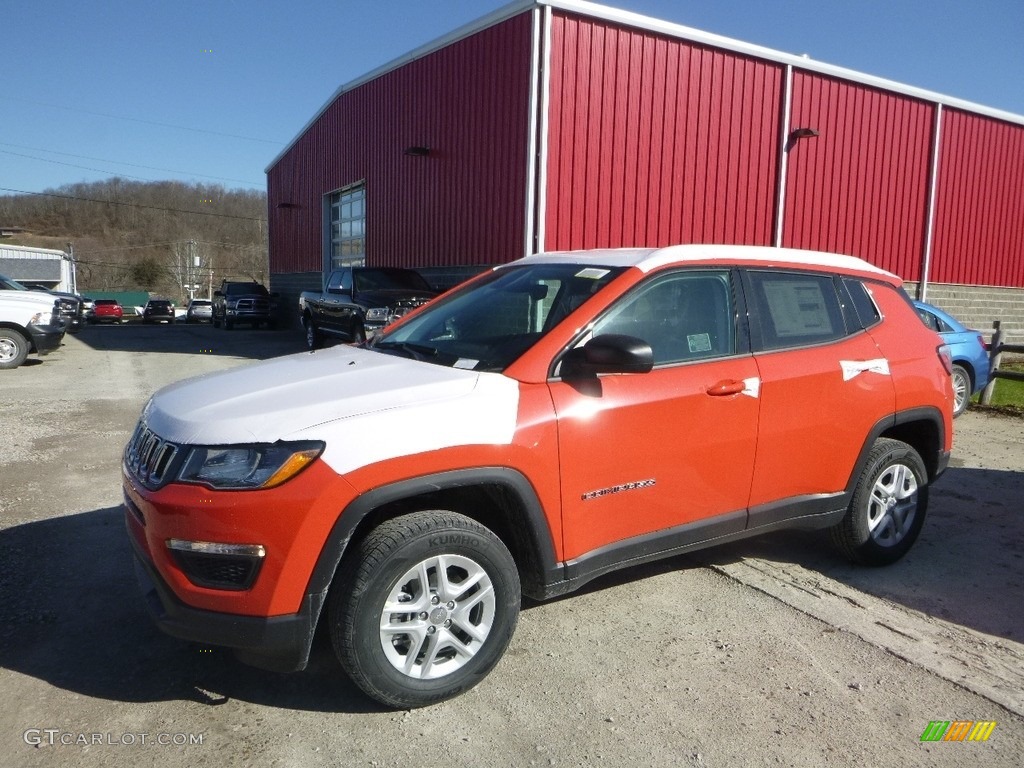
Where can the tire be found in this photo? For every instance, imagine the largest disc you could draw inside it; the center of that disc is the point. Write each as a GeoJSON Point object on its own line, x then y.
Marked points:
{"type": "Point", "coordinates": [446, 637]}
{"type": "Point", "coordinates": [962, 386]}
{"type": "Point", "coordinates": [359, 335]}
{"type": "Point", "coordinates": [314, 339]}
{"type": "Point", "coordinates": [216, 322]}
{"type": "Point", "coordinates": [888, 507]}
{"type": "Point", "coordinates": [13, 348]}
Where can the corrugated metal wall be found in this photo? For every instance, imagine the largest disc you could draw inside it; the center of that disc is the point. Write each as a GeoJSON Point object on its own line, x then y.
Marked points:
{"type": "Point", "coordinates": [463, 204]}
{"type": "Point", "coordinates": [861, 186]}
{"type": "Point", "coordinates": [654, 141]}
{"type": "Point", "coordinates": [651, 140]}
{"type": "Point", "coordinates": [979, 222]}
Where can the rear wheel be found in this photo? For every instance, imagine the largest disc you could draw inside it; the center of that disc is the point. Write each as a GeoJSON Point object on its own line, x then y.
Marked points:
{"type": "Point", "coordinates": [961, 389]}
{"type": "Point", "coordinates": [13, 348]}
{"type": "Point", "coordinates": [424, 608]}
{"type": "Point", "coordinates": [888, 507]}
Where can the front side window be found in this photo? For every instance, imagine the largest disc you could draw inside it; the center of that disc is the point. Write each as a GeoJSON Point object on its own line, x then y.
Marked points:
{"type": "Point", "coordinates": [348, 227]}
{"type": "Point", "coordinates": [683, 316]}
{"type": "Point", "coordinates": [487, 325]}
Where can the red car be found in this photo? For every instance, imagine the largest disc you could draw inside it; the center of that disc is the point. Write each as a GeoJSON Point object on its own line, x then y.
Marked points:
{"type": "Point", "coordinates": [107, 311]}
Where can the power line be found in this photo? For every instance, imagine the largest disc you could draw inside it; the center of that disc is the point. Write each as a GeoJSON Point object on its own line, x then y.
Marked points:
{"type": "Point", "coordinates": [117, 162]}
{"type": "Point", "coordinates": [132, 205]}
{"type": "Point", "coordinates": [74, 165]}
{"type": "Point", "coordinates": [144, 122]}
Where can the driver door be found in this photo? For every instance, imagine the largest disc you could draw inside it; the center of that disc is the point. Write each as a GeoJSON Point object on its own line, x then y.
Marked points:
{"type": "Point", "coordinates": [647, 453]}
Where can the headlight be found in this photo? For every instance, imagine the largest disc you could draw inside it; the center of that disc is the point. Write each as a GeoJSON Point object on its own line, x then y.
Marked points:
{"type": "Point", "coordinates": [378, 314]}
{"type": "Point", "coordinates": [42, 318]}
{"type": "Point", "coordinates": [248, 466]}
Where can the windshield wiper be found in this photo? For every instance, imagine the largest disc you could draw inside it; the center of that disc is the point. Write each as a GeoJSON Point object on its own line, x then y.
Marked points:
{"type": "Point", "coordinates": [415, 351]}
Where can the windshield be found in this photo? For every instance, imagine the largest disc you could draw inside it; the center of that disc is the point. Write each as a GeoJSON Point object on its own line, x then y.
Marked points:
{"type": "Point", "coordinates": [489, 324]}
{"type": "Point", "coordinates": [389, 280]}
{"type": "Point", "coordinates": [245, 289]}
{"type": "Point", "coordinates": [11, 285]}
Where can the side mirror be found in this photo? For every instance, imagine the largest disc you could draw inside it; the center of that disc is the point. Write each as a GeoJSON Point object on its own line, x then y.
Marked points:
{"type": "Point", "coordinates": [218, 294]}
{"type": "Point", "coordinates": [608, 353]}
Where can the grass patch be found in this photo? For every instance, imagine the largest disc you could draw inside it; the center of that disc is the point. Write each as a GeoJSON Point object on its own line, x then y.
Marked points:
{"type": "Point", "coordinates": [1009, 395]}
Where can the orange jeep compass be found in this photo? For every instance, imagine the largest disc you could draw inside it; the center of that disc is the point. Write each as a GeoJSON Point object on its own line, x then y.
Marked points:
{"type": "Point", "coordinates": [552, 420]}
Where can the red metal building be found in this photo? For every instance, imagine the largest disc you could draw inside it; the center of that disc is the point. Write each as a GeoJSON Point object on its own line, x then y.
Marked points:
{"type": "Point", "coordinates": [557, 124]}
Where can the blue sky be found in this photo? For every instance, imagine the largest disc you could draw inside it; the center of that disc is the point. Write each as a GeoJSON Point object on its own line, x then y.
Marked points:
{"type": "Point", "coordinates": [211, 91]}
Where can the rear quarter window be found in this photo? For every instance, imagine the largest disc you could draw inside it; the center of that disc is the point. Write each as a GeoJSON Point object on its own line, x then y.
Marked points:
{"type": "Point", "coordinates": [863, 304]}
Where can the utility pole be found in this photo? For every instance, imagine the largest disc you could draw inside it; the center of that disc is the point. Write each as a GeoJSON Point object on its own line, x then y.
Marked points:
{"type": "Point", "coordinates": [193, 263]}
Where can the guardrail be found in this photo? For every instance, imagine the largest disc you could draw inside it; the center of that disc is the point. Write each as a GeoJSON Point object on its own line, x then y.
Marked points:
{"type": "Point", "coordinates": [996, 350]}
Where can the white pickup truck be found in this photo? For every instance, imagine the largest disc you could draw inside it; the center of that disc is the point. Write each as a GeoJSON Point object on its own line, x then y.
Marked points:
{"type": "Point", "coordinates": [29, 322]}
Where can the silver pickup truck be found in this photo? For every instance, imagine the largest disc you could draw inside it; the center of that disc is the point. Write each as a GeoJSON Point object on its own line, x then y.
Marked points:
{"type": "Point", "coordinates": [356, 302]}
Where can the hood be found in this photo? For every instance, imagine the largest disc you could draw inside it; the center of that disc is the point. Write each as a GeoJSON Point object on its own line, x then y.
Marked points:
{"type": "Point", "coordinates": [40, 302]}
{"type": "Point", "coordinates": [365, 405]}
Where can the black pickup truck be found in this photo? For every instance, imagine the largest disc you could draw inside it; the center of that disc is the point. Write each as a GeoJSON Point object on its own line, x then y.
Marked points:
{"type": "Point", "coordinates": [358, 301]}
{"type": "Point", "coordinates": [243, 302]}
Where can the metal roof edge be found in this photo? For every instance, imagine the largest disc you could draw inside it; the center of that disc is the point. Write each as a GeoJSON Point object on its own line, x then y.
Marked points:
{"type": "Point", "coordinates": [673, 29]}
{"type": "Point", "coordinates": [33, 250]}
{"type": "Point", "coordinates": [494, 17]}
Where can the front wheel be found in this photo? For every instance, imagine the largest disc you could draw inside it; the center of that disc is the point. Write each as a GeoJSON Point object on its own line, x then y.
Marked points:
{"type": "Point", "coordinates": [424, 608]}
{"type": "Point", "coordinates": [313, 338]}
{"type": "Point", "coordinates": [13, 348]}
{"type": "Point", "coordinates": [888, 507]}
{"type": "Point", "coordinates": [961, 389]}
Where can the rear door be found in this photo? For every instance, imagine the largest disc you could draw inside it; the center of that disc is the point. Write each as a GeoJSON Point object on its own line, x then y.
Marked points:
{"type": "Point", "coordinates": [824, 385]}
{"type": "Point", "coordinates": [649, 453]}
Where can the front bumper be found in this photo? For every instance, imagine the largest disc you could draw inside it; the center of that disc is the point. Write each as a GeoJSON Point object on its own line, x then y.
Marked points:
{"type": "Point", "coordinates": [46, 338]}
{"type": "Point", "coordinates": [276, 643]}
{"type": "Point", "coordinates": [269, 619]}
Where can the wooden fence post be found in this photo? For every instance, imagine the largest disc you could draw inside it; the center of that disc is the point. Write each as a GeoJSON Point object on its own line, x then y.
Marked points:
{"type": "Point", "coordinates": [995, 354]}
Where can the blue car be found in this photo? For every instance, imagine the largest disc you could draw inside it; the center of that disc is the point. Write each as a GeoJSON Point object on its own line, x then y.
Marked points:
{"type": "Point", "coordinates": [970, 354]}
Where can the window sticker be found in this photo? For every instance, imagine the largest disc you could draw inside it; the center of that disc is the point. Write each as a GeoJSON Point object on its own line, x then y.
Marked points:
{"type": "Point", "coordinates": [797, 308]}
{"type": "Point", "coordinates": [466, 363]}
{"type": "Point", "coordinates": [699, 342]}
{"type": "Point", "coordinates": [592, 273]}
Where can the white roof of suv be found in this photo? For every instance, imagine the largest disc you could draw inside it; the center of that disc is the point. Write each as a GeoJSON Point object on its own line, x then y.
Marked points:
{"type": "Point", "coordinates": [648, 259]}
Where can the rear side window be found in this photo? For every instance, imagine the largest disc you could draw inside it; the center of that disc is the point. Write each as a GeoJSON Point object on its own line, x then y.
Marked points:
{"type": "Point", "coordinates": [796, 309]}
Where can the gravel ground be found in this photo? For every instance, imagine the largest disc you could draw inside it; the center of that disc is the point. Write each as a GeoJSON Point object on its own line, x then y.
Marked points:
{"type": "Point", "coordinates": [766, 652]}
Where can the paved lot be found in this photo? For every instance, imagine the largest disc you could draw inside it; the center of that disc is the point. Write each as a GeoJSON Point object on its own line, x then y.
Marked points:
{"type": "Point", "coordinates": [768, 652]}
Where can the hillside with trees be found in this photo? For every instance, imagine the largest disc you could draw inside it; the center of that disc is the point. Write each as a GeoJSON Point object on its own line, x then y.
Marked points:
{"type": "Point", "coordinates": [155, 236]}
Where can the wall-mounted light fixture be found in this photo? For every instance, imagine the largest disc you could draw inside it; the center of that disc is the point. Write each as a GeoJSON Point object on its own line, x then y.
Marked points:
{"type": "Point", "coordinates": [800, 133]}
{"type": "Point", "coordinates": [417, 151]}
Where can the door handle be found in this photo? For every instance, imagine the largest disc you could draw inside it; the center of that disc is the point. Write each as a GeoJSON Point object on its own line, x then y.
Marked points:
{"type": "Point", "coordinates": [726, 387]}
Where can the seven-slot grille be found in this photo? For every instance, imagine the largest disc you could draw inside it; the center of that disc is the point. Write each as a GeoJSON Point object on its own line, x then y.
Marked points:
{"type": "Point", "coordinates": [149, 457]}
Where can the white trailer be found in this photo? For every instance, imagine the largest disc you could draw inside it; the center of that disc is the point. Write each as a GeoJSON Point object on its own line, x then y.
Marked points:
{"type": "Point", "coordinates": [47, 267]}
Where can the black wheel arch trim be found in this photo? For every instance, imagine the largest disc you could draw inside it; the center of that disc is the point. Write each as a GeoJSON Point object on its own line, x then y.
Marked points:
{"type": "Point", "coordinates": [542, 567]}
{"type": "Point", "coordinates": [935, 462]}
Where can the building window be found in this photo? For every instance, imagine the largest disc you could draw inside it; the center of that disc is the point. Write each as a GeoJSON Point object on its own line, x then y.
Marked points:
{"type": "Point", "coordinates": [348, 227]}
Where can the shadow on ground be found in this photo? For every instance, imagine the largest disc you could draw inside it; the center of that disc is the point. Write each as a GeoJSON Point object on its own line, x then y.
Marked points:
{"type": "Point", "coordinates": [74, 617]}
{"type": "Point", "coordinates": [967, 567]}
